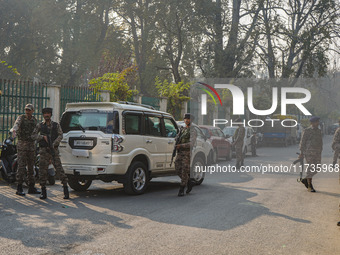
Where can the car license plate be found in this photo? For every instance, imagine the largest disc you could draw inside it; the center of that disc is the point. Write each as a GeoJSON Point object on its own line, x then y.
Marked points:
{"type": "Point", "coordinates": [83, 142]}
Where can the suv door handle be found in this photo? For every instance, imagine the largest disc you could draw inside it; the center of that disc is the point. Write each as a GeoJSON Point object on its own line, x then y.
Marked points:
{"type": "Point", "coordinates": [170, 141]}
{"type": "Point", "coordinates": [148, 141]}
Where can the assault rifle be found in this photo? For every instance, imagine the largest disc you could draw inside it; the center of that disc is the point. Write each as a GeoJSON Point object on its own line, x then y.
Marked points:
{"type": "Point", "coordinates": [49, 144]}
{"type": "Point", "coordinates": [178, 138]}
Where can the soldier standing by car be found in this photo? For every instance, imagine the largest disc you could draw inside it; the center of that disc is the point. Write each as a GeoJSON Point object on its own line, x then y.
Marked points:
{"type": "Point", "coordinates": [186, 141]}
{"type": "Point", "coordinates": [238, 139]}
{"type": "Point", "coordinates": [23, 128]}
{"type": "Point", "coordinates": [311, 148]}
{"type": "Point", "coordinates": [336, 148]}
{"type": "Point", "coordinates": [49, 134]}
{"type": "Point", "coordinates": [336, 145]}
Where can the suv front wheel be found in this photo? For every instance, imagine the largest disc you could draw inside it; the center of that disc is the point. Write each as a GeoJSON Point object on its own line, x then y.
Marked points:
{"type": "Point", "coordinates": [198, 175]}
{"type": "Point", "coordinates": [137, 179]}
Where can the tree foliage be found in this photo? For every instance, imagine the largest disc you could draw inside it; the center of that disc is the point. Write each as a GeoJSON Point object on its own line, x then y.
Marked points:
{"type": "Point", "coordinates": [116, 83]}
{"type": "Point", "coordinates": [70, 42]}
{"type": "Point", "coordinates": [176, 93]}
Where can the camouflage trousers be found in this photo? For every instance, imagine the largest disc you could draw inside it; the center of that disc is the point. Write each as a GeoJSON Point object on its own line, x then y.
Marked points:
{"type": "Point", "coordinates": [45, 158]}
{"type": "Point", "coordinates": [313, 159]}
{"type": "Point", "coordinates": [182, 165]}
{"type": "Point", "coordinates": [239, 155]}
{"type": "Point", "coordinates": [26, 160]}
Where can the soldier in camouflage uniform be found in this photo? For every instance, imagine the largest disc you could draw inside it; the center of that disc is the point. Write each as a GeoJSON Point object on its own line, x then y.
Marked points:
{"type": "Point", "coordinates": [238, 139]}
{"type": "Point", "coordinates": [49, 134]}
{"type": "Point", "coordinates": [187, 139]}
{"type": "Point", "coordinates": [336, 148]}
{"type": "Point", "coordinates": [311, 148]}
{"type": "Point", "coordinates": [23, 129]}
{"type": "Point", "coordinates": [336, 145]}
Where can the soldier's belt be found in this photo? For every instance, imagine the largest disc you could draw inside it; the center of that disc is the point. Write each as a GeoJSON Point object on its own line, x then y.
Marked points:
{"type": "Point", "coordinates": [183, 149]}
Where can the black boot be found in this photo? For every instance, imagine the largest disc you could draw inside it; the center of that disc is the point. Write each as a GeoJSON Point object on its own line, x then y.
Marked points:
{"type": "Point", "coordinates": [310, 185]}
{"type": "Point", "coordinates": [304, 181]}
{"type": "Point", "coordinates": [181, 191]}
{"type": "Point", "coordinates": [189, 186]}
{"type": "Point", "coordinates": [43, 193]}
{"type": "Point", "coordinates": [66, 194]}
{"type": "Point", "coordinates": [33, 190]}
{"type": "Point", "coordinates": [20, 191]}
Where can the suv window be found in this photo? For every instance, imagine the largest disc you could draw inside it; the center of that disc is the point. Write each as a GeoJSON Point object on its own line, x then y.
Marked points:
{"type": "Point", "coordinates": [170, 128]}
{"type": "Point", "coordinates": [153, 126]}
{"type": "Point", "coordinates": [90, 120]}
{"type": "Point", "coordinates": [132, 124]}
{"type": "Point", "coordinates": [200, 134]}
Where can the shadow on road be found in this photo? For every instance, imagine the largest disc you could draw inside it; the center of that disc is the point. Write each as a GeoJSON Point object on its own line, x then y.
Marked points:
{"type": "Point", "coordinates": [213, 206]}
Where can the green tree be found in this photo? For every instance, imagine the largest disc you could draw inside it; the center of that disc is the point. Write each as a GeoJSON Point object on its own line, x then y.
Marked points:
{"type": "Point", "coordinates": [174, 92]}
{"type": "Point", "coordinates": [116, 83]}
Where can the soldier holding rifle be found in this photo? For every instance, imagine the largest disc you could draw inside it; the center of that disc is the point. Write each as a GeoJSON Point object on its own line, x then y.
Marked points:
{"type": "Point", "coordinates": [49, 134]}
{"type": "Point", "coordinates": [185, 140]}
{"type": "Point", "coordinates": [23, 128]}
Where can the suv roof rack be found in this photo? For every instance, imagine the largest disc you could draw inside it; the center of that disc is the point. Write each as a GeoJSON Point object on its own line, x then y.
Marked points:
{"type": "Point", "coordinates": [133, 103]}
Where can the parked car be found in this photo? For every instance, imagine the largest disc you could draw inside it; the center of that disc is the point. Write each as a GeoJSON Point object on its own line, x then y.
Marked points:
{"type": "Point", "coordinates": [250, 140]}
{"type": "Point", "coordinates": [120, 142]}
{"type": "Point", "coordinates": [221, 144]}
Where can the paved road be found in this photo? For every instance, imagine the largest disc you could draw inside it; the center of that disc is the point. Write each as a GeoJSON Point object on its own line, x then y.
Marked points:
{"type": "Point", "coordinates": [230, 213]}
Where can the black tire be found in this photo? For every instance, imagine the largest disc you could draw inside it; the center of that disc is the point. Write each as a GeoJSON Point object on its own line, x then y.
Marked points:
{"type": "Point", "coordinates": [230, 155]}
{"type": "Point", "coordinates": [78, 184]}
{"type": "Point", "coordinates": [51, 180]}
{"type": "Point", "coordinates": [198, 178]}
{"type": "Point", "coordinates": [137, 179]}
{"type": "Point", "coordinates": [215, 156]}
{"type": "Point", "coordinates": [253, 150]}
{"type": "Point", "coordinates": [211, 157]}
{"type": "Point", "coordinates": [4, 176]}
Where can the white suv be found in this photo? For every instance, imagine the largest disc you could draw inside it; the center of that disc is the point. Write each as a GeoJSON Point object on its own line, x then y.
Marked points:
{"type": "Point", "coordinates": [120, 142]}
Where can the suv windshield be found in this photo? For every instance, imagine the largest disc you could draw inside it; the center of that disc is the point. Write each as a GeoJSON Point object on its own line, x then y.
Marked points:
{"type": "Point", "coordinates": [104, 121]}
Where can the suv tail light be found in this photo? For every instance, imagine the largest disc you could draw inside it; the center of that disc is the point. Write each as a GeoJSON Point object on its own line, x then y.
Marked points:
{"type": "Point", "coordinates": [116, 143]}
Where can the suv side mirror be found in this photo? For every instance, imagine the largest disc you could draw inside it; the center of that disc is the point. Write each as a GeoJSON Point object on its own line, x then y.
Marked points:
{"type": "Point", "coordinates": [227, 136]}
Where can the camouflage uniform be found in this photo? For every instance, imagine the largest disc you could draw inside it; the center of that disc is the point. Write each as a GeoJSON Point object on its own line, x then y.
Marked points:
{"type": "Point", "coordinates": [56, 134]}
{"type": "Point", "coordinates": [238, 142]}
{"type": "Point", "coordinates": [182, 163]}
{"type": "Point", "coordinates": [336, 145]}
{"type": "Point", "coordinates": [311, 147]}
{"type": "Point", "coordinates": [26, 148]}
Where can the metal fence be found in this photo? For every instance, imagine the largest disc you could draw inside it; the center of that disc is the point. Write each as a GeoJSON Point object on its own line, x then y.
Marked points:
{"type": "Point", "coordinates": [14, 95]}
{"type": "Point", "coordinates": [153, 101]}
{"type": "Point", "coordinates": [75, 95]}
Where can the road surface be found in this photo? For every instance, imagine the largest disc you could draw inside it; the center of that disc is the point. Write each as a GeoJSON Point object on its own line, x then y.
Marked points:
{"type": "Point", "coordinates": [230, 213]}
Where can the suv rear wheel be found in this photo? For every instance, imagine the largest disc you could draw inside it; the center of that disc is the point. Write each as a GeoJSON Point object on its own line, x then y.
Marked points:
{"type": "Point", "coordinates": [78, 184]}
{"type": "Point", "coordinates": [137, 179]}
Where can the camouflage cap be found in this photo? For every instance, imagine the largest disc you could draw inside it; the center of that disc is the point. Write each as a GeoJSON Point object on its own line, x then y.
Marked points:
{"type": "Point", "coordinates": [29, 107]}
